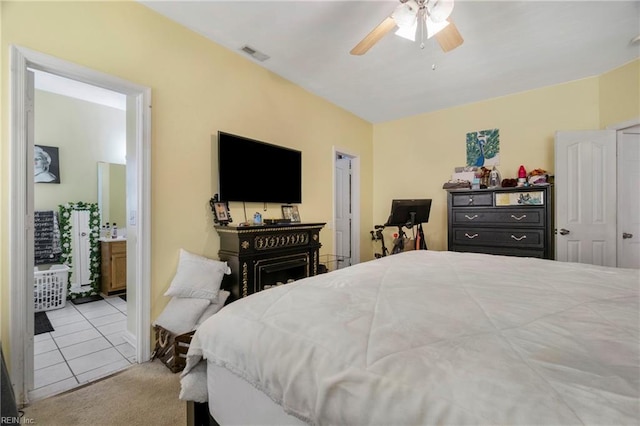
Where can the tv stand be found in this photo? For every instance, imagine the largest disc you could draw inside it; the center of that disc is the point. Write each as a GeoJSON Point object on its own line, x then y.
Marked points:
{"type": "Point", "coordinates": [263, 256]}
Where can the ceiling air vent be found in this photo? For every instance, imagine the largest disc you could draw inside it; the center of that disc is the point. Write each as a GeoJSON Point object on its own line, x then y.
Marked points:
{"type": "Point", "coordinates": [254, 53]}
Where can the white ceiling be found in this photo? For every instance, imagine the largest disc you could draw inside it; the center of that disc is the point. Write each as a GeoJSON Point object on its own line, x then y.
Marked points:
{"type": "Point", "coordinates": [509, 47]}
{"type": "Point", "coordinates": [76, 89]}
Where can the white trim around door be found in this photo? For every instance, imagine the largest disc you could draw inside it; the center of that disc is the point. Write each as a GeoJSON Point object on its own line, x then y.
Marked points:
{"type": "Point", "coordinates": [21, 211]}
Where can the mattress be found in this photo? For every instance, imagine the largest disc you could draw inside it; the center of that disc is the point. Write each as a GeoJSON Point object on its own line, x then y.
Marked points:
{"type": "Point", "coordinates": [236, 402]}
{"type": "Point", "coordinates": [426, 337]}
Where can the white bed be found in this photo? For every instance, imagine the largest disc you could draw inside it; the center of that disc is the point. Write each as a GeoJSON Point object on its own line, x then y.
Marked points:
{"type": "Point", "coordinates": [427, 337]}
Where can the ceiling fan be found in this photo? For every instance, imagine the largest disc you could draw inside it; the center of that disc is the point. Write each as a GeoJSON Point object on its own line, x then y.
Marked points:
{"type": "Point", "coordinates": [413, 16]}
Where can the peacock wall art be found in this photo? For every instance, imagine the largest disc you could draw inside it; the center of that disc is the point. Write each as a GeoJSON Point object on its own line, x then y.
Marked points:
{"type": "Point", "coordinates": [483, 148]}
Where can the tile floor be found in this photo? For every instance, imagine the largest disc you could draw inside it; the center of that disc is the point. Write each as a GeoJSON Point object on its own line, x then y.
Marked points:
{"type": "Point", "coordinates": [86, 344]}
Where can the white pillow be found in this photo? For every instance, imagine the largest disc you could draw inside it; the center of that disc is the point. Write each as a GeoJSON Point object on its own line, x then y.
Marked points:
{"type": "Point", "coordinates": [214, 307]}
{"type": "Point", "coordinates": [197, 277]}
{"type": "Point", "coordinates": [181, 314]}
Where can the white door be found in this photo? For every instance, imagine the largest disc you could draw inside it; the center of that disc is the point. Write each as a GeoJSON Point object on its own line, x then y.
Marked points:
{"type": "Point", "coordinates": [629, 198]}
{"type": "Point", "coordinates": [81, 249]}
{"type": "Point", "coordinates": [585, 196]}
{"type": "Point", "coordinates": [343, 211]}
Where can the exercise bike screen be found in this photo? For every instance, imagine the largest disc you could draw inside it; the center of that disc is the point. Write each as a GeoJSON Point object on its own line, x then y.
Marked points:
{"type": "Point", "coordinates": [401, 212]}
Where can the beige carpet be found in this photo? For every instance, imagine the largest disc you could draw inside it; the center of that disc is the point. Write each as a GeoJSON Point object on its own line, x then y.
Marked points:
{"type": "Point", "coordinates": [143, 394]}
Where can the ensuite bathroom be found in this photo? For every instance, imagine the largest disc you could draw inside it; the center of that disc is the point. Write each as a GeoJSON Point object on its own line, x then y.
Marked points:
{"type": "Point", "coordinates": [81, 327]}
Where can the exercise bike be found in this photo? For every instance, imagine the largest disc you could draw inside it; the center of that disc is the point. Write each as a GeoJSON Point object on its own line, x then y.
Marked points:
{"type": "Point", "coordinates": [376, 235]}
{"type": "Point", "coordinates": [404, 214]}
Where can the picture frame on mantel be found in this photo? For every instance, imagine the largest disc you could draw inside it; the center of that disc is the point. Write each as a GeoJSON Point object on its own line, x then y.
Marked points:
{"type": "Point", "coordinates": [291, 213]}
{"type": "Point", "coordinates": [295, 215]}
{"type": "Point", "coordinates": [220, 209]}
{"type": "Point", "coordinates": [287, 212]}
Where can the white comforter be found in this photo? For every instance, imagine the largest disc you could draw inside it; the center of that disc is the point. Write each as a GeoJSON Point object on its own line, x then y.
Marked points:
{"type": "Point", "coordinates": [428, 337]}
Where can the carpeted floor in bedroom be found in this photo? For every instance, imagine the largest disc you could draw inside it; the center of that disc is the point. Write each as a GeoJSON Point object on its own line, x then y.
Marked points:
{"type": "Point", "coordinates": [143, 394]}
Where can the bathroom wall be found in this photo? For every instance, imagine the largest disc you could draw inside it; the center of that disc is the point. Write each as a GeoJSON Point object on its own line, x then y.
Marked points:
{"type": "Point", "coordinates": [85, 133]}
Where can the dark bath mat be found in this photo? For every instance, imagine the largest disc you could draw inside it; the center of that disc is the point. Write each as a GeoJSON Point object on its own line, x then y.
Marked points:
{"type": "Point", "coordinates": [41, 323]}
{"type": "Point", "coordinates": [86, 299]}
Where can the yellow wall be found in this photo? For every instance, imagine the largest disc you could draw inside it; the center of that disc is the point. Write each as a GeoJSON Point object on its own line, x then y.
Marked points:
{"type": "Point", "coordinates": [414, 156]}
{"type": "Point", "coordinates": [620, 94]}
{"type": "Point", "coordinates": [198, 88]}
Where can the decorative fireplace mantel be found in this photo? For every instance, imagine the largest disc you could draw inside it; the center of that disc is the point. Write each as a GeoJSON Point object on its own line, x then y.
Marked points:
{"type": "Point", "coordinates": [268, 255]}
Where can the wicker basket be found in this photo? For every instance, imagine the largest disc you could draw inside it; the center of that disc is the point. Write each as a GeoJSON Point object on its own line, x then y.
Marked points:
{"type": "Point", "coordinates": [50, 287]}
{"type": "Point", "coordinates": [172, 349]}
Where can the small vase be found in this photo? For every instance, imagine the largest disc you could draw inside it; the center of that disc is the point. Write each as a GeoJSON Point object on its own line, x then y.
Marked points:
{"type": "Point", "coordinates": [494, 178]}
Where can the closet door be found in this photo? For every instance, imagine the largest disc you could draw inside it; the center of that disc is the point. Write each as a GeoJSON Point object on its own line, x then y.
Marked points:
{"type": "Point", "coordinates": [585, 182]}
{"type": "Point", "coordinates": [629, 198]}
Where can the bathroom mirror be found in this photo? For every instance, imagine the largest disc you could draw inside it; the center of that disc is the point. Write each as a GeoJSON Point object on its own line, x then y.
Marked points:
{"type": "Point", "coordinates": [112, 193]}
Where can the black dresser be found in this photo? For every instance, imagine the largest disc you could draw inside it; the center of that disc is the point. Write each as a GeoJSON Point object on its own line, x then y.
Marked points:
{"type": "Point", "coordinates": [506, 221]}
{"type": "Point", "coordinates": [268, 255]}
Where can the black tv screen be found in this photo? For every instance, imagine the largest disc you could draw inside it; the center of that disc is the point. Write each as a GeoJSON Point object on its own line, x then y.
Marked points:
{"type": "Point", "coordinates": [254, 171]}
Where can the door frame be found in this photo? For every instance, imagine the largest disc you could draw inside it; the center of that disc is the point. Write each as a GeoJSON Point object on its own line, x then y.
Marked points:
{"type": "Point", "coordinates": [619, 129]}
{"type": "Point", "coordinates": [21, 211]}
{"type": "Point", "coordinates": [354, 200]}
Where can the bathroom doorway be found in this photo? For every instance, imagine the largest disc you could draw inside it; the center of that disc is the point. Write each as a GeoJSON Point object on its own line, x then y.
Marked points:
{"type": "Point", "coordinates": [87, 337]}
{"type": "Point", "coordinates": [21, 320]}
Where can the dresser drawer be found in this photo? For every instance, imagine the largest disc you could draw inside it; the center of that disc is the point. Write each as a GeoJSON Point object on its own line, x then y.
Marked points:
{"type": "Point", "coordinates": [503, 251]}
{"type": "Point", "coordinates": [509, 217]}
{"type": "Point", "coordinates": [477, 199]}
{"type": "Point", "coordinates": [499, 237]}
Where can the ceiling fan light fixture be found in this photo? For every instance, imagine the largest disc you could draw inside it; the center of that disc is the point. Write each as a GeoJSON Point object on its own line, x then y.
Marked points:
{"type": "Point", "coordinates": [439, 10]}
{"type": "Point", "coordinates": [408, 32]}
{"type": "Point", "coordinates": [405, 14]}
{"type": "Point", "coordinates": [414, 19]}
{"type": "Point", "coordinates": [434, 28]}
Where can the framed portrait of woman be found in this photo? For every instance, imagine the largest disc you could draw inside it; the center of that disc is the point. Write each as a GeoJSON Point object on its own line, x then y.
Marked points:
{"type": "Point", "coordinates": [46, 164]}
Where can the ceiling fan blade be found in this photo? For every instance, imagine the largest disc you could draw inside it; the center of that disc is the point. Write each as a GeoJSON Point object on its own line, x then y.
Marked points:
{"type": "Point", "coordinates": [449, 38]}
{"type": "Point", "coordinates": [374, 36]}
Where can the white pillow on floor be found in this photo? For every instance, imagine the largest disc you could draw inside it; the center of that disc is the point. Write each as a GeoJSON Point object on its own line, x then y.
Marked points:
{"type": "Point", "coordinates": [181, 314]}
{"type": "Point", "coordinates": [197, 277]}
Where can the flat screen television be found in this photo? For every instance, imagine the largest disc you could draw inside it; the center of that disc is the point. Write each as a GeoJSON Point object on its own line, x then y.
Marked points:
{"type": "Point", "coordinates": [255, 171]}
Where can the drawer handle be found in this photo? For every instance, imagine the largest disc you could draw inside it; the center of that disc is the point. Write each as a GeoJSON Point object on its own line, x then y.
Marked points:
{"type": "Point", "coordinates": [471, 217]}
{"type": "Point", "coordinates": [518, 238]}
{"type": "Point", "coordinates": [470, 200]}
{"type": "Point", "coordinates": [520, 217]}
{"type": "Point", "coordinates": [471, 237]}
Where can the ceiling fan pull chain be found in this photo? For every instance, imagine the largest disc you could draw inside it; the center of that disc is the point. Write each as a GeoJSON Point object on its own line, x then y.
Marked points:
{"type": "Point", "coordinates": [423, 23]}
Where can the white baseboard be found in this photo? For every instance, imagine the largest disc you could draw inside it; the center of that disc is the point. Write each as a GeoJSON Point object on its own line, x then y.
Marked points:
{"type": "Point", "coordinates": [130, 338]}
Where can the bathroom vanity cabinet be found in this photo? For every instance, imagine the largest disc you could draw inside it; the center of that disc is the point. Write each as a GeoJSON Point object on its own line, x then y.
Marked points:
{"type": "Point", "coordinates": [114, 266]}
